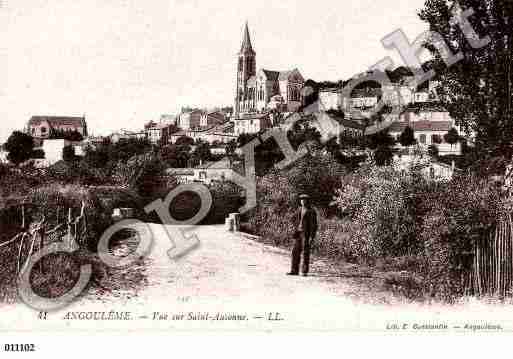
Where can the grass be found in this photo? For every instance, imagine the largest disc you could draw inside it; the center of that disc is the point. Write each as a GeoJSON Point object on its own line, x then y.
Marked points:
{"type": "Point", "coordinates": [61, 271]}
{"type": "Point", "coordinates": [397, 275]}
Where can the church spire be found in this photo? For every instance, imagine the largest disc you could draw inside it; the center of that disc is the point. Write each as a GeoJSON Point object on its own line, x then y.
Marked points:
{"type": "Point", "coordinates": [246, 42]}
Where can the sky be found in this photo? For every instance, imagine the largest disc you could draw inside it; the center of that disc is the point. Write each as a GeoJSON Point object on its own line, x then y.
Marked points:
{"type": "Point", "coordinates": [122, 63]}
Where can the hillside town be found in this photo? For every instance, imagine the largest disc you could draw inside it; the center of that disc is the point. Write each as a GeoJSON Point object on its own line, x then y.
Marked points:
{"type": "Point", "coordinates": [265, 99]}
{"type": "Point", "coordinates": [405, 183]}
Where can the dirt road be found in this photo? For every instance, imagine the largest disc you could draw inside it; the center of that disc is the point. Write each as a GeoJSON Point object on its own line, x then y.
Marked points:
{"type": "Point", "coordinates": [232, 282]}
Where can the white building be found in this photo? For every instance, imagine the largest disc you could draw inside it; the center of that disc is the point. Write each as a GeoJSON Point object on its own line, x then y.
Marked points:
{"type": "Point", "coordinates": [53, 150]}
{"type": "Point", "coordinates": [430, 122]}
{"type": "Point", "coordinates": [330, 99]}
{"type": "Point", "coordinates": [3, 156]}
{"type": "Point", "coordinates": [207, 173]}
{"type": "Point", "coordinates": [252, 123]}
{"type": "Point", "coordinates": [430, 170]}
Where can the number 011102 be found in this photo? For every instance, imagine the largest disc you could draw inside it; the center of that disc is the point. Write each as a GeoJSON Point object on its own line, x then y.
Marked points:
{"type": "Point", "coordinates": [19, 347]}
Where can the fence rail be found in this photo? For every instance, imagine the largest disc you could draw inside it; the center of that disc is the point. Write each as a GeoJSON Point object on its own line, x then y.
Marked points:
{"type": "Point", "coordinates": [492, 267]}
{"type": "Point", "coordinates": [36, 235]}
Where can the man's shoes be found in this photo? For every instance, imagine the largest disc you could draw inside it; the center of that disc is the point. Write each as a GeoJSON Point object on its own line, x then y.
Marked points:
{"type": "Point", "coordinates": [292, 273]}
{"type": "Point", "coordinates": [305, 274]}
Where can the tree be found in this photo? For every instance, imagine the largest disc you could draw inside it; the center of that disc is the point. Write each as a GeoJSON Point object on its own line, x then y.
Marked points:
{"type": "Point", "coordinates": [125, 149]}
{"type": "Point", "coordinates": [202, 151]}
{"type": "Point", "coordinates": [231, 147]}
{"type": "Point", "coordinates": [433, 151]}
{"type": "Point", "coordinates": [452, 137]}
{"type": "Point", "coordinates": [381, 143]}
{"type": "Point", "coordinates": [245, 138]}
{"type": "Point", "coordinates": [97, 157]}
{"type": "Point", "coordinates": [68, 153]}
{"type": "Point", "coordinates": [383, 155]}
{"type": "Point", "coordinates": [381, 138]}
{"type": "Point", "coordinates": [407, 137]}
{"type": "Point", "coordinates": [176, 156]}
{"type": "Point", "coordinates": [39, 153]}
{"type": "Point", "coordinates": [20, 147]}
{"type": "Point", "coordinates": [66, 135]}
{"type": "Point", "coordinates": [185, 140]}
{"type": "Point", "coordinates": [477, 90]}
{"type": "Point", "coordinates": [303, 132]}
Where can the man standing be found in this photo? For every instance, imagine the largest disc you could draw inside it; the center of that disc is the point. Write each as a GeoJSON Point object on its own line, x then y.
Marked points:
{"type": "Point", "coordinates": [305, 234]}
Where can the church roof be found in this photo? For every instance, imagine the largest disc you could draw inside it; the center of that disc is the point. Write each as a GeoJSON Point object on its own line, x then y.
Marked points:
{"type": "Point", "coordinates": [271, 75]}
{"type": "Point", "coordinates": [284, 75]}
{"type": "Point", "coordinates": [246, 41]}
{"type": "Point", "coordinates": [277, 75]}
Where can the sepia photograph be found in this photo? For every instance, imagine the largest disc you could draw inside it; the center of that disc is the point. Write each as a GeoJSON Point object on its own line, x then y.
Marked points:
{"type": "Point", "coordinates": [228, 166]}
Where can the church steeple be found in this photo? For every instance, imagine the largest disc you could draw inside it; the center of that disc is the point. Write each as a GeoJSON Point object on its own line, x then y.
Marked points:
{"type": "Point", "coordinates": [246, 68]}
{"type": "Point", "coordinates": [246, 42]}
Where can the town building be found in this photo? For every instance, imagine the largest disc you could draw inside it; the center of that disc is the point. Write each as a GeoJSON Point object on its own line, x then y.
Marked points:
{"type": "Point", "coordinates": [53, 149]}
{"type": "Point", "coordinates": [211, 119]}
{"type": "Point", "coordinates": [395, 94]}
{"type": "Point", "coordinates": [189, 120]}
{"type": "Point", "coordinates": [3, 156]}
{"type": "Point", "coordinates": [366, 98]}
{"type": "Point", "coordinates": [168, 119]}
{"type": "Point", "coordinates": [222, 133]}
{"type": "Point", "coordinates": [157, 132]}
{"type": "Point", "coordinates": [252, 123]}
{"type": "Point", "coordinates": [333, 126]}
{"type": "Point", "coordinates": [208, 173]}
{"type": "Point", "coordinates": [331, 99]}
{"type": "Point", "coordinates": [257, 91]}
{"type": "Point", "coordinates": [127, 135]}
{"type": "Point", "coordinates": [43, 127]}
{"type": "Point", "coordinates": [430, 169]}
{"type": "Point", "coordinates": [430, 122]}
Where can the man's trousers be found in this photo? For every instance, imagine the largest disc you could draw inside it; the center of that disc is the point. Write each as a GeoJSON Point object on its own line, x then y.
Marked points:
{"type": "Point", "coordinates": [301, 246]}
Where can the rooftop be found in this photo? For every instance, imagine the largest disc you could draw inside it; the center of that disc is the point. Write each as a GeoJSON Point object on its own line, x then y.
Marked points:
{"type": "Point", "coordinates": [421, 126]}
{"type": "Point", "coordinates": [58, 121]}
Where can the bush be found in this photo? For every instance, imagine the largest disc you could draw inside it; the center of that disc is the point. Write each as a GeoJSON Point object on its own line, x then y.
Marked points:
{"type": "Point", "coordinates": [54, 201]}
{"type": "Point", "coordinates": [78, 172]}
{"type": "Point", "coordinates": [20, 147]}
{"type": "Point", "coordinates": [404, 216]}
{"type": "Point", "coordinates": [317, 175]}
{"type": "Point", "coordinates": [276, 213]}
{"type": "Point", "coordinates": [433, 151]}
{"type": "Point", "coordinates": [380, 204]}
{"type": "Point", "coordinates": [68, 153]}
{"type": "Point", "coordinates": [38, 154]}
{"type": "Point", "coordinates": [456, 218]}
{"type": "Point", "coordinates": [144, 174]}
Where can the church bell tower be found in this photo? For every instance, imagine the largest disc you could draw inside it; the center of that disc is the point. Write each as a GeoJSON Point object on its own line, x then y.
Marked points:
{"type": "Point", "coordinates": [246, 68]}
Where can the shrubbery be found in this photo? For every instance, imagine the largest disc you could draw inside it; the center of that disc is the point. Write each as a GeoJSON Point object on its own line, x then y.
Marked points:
{"type": "Point", "coordinates": [396, 215]}
{"type": "Point", "coordinates": [395, 220]}
{"type": "Point", "coordinates": [277, 196]}
{"type": "Point", "coordinates": [380, 204]}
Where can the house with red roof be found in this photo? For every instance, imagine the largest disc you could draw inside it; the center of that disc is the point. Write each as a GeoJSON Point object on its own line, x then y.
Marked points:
{"type": "Point", "coordinates": [42, 127]}
{"type": "Point", "coordinates": [430, 122]}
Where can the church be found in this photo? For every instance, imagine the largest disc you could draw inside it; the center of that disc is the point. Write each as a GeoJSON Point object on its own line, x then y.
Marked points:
{"type": "Point", "coordinates": [264, 90]}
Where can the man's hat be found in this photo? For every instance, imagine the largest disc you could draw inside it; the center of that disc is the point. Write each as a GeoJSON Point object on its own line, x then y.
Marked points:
{"type": "Point", "coordinates": [304, 196]}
